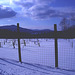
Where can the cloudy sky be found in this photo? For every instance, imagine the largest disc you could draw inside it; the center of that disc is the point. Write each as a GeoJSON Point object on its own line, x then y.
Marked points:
{"type": "Point", "coordinates": [36, 14]}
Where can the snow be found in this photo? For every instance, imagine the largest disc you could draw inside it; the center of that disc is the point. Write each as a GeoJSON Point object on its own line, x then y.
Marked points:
{"type": "Point", "coordinates": [37, 59]}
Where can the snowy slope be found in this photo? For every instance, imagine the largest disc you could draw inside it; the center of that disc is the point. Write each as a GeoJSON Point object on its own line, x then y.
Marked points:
{"type": "Point", "coordinates": [37, 60]}
{"type": "Point", "coordinates": [12, 67]}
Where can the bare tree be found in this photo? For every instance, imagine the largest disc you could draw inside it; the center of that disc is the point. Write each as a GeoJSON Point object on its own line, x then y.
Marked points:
{"type": "Point", "coordinates": [64, 24]}
{"type": "Point", "coordinates": [24, 42]}
{"type": "Point", "coordinates": [72, 19]}
{"type": "Point", "coordinates": [38, 42]}
{"type": "Point", "coordinates": [14, 42]}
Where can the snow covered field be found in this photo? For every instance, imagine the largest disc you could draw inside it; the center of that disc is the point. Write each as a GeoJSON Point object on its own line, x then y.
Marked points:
{"type": "Point", "coordinates": [38, 57]}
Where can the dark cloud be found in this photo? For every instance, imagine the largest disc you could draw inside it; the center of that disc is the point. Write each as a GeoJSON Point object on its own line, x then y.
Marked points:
{"type": "Point", "coordinates": [6, 12]}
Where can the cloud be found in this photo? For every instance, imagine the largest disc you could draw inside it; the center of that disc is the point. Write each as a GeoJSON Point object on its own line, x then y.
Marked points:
{"type": "Point", "coordinates": [68, 12]}
{"type": "Point", "coordinates": [34, 1]}
{"type": "Point", "coordinates": [43, 1]}
{"type": "Point", "coordinates": [6, 12]}
{"type": "Point", "coordinates": [30, 3]}
{"type": "Point", "coordinates": [25, 5]}
{"type": "Point", "coordinates": [44, 12]}
{"type": "Point", "coordinates": [41, 9]}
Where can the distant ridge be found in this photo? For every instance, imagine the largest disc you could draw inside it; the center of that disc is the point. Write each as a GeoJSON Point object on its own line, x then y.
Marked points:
{"type": "Point", "coordinates": [14, 28]}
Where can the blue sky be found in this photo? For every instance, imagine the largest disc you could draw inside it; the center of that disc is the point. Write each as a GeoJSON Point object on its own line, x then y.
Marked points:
{"type": "Point", "coordinates": [36, 14]}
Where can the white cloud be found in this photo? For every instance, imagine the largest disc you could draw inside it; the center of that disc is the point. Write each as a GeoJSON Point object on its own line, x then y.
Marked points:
{"type": "Point", "coordinates": [41, 9]}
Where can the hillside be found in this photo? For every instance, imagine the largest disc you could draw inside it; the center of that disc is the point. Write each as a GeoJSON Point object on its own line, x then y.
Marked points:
{"type": "Point", "coordinates": [14, 28]}
{"type": "Point", "coordinates": [11, 32]}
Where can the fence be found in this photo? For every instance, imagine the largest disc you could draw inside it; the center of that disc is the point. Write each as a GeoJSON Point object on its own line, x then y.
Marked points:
{"type": "Point", "coordinates": [56, 39]}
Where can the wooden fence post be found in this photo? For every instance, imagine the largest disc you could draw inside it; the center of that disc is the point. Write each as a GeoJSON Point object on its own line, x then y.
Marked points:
{"type": "Point", "coordinates": [56, 46]}
{"type": "Point", "coordinates": [19, 49]}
